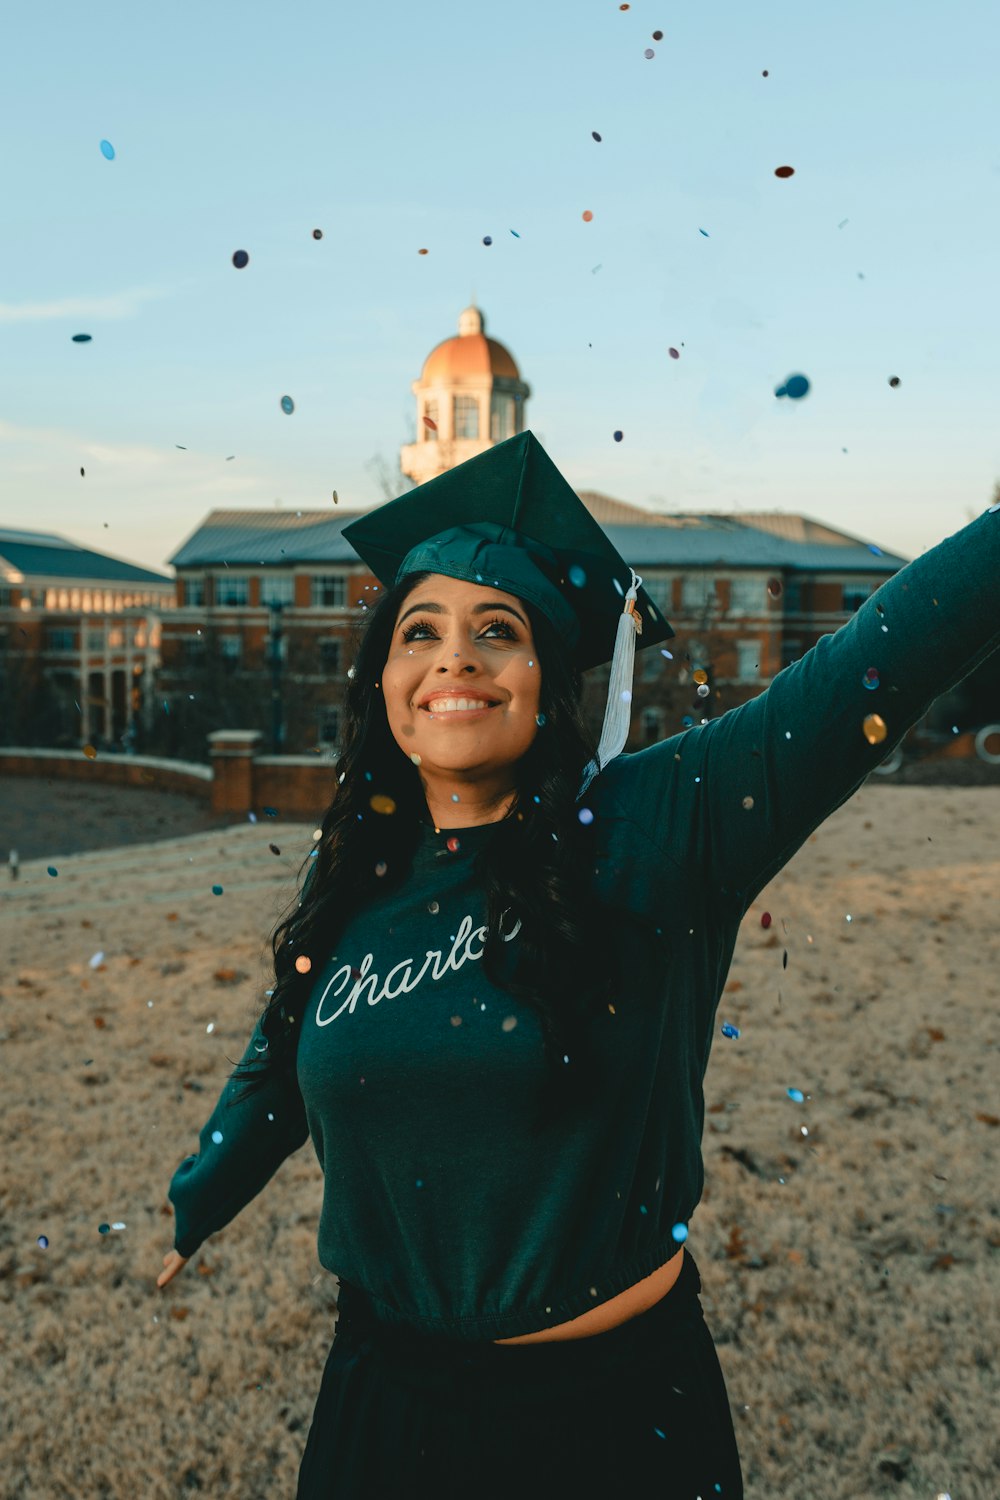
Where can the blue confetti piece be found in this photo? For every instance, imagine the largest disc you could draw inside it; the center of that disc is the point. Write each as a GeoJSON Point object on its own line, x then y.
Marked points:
{"type": "Point", "coordinates": [585, 816]}
{"type": "Point", "coordinates": [43, 1242]}
{"type": "Point", "coordinates": [679, 1233]}
{"type": "Point", "coordinates": [240, 259]}
{"type": "Point", "coordinates": [82, 338]}
{"type": "Point", "coordinates": [53, 870]}
{"type": "Point", "coordinates": [797, 386]}
{"type": "Point", "coordinates": [730, 1030]}
{"type": "Point", "coordinates": [618, 437]}
{"type": "Point", "coordinates": [488, 238]}
{"type": "Point", "coordinates": [217, 890]}
{"type": "Point", "coordinates": [705, 233]}
{"type": "Point", "coordinates": [217, 1137]}
{"type": "Point", "coordinates": [287, 405]}
{"type": "Point", "coordinates": [797, 1095]}
{"type": "Point", "coordinates": [871, 545]}
{"type": "Point", "coordinates": [107, 150]}
{"type": "Point", "coordinates": [515, 234]}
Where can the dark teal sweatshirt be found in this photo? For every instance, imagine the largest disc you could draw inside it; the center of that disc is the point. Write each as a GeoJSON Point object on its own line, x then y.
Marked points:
{"type": "Point", "coordinates": [417, 1079]}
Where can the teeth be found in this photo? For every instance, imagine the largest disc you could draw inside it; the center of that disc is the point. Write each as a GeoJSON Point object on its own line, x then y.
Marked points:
{"type": "Point", "coordinates": [446, 705]}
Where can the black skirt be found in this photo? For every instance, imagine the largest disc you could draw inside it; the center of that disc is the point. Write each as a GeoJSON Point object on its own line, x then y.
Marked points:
{"type": "Point", "coordinates": [641, 1410]}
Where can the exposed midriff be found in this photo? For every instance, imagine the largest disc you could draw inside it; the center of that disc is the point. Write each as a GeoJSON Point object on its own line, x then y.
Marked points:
{"type": "Point", "coordinates": [628, 1304]}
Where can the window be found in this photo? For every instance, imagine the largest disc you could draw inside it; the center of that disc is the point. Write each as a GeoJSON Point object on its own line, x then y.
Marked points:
{"type": "Point", "coordinates": [793, 596]}
{"type": "Point", "coordinates": [193, 650]}
{"type": "Point", "coordinates": [232, 589]}
{"type": "Point", "coordinates": [697, 591]}
{"type": "Point", "coordinates": [747, 596]}
{"type": "Point", "coordinates": [329, 657]}
{"type": "Point", "coordinates": [329, 591]}
{"type": "Point", "coordinates": [59, 638]}
{"type": "Point", "coordinates": [854, 596]}
{"type": "Point", "coordinates": [231, 647]}
{"type": "Point", "coordinates": [194, 590]}
{"type": "Point", "coordinates": [277, 588]}
{"type": "Point", "coordinates": [466, 417]}
{"type": "Point", "coordinates": [652, 725]}
{"type": "Point", "coordinates": [747, 661]}
{"type": "Point", "coordinates": [95, 640]}
{"type": "Point", "coordinates": [328, 724]}
{"type": "Point", "coordinates": [501, 417]}
{"type": "Point", "coordinates": [429, 434]}
{"type": "Point", "coordinates": [661, 590]}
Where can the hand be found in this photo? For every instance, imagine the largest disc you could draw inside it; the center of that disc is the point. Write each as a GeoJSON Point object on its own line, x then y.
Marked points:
{"type": "Point", "coordinates": [172, 1263]}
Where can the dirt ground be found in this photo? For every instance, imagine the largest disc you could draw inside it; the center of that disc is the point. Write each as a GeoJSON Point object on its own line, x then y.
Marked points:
{"type": "Point", "coordinates": [848, 1245]}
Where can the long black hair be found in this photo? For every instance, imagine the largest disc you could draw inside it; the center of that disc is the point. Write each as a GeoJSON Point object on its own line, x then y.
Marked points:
{"type": "Point", "coordinates": [535, 866]}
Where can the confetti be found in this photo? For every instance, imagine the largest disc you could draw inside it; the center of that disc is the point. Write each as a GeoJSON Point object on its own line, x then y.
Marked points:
{"type": "Point", "coordinates": [797, 1095]}
{"type": "Point", "coordinates": [430, 422]}
{"type": "Point", "coordinates": [52, 870]}
{"type": "Point", "coordinates": [81, 338]}
{"type": "Point", "coordinates": [784, 171]}
{"type": "Point", "coordinates": [287, 405]}
{"type": "Point", "coordinates": [704, 232]}
{"type": "Point", "coordinates": [894, 381]}
{"type": "Point", "coordinates": [595, 135]}
{"type": "Point", "coordinates": [487, 239]}
{"type": "Point", "coordinates": [421, 252]}
{"type": "Point", "coordinates": [870, 679]}
{"type": "Point", "coordinates": [765, 919]}
{"type": "Point", "coordinates": [729, 1030]}
{"type": "Point", "coordinates": [382, 804]}
{"type": "Point", "coordinates": [515, 234]}
{"type": "Point", "coordinates": [43, 1242]}
{"type": "Point", "coordinates": [240, 259]}
{"type": "Point", "coordinates": [649, 52]}
{"type": "Point", "coordinates": [317, 234]}
{"type": "Point", "coordinates": [107, 150]}
{"type": "Point", "coordinates": [303, 963]}
{"type": "Point", "coordinates": [587, 216]}
{"type": "Point", "coordinates": [81, 473]}
{"type": "Point", "coordinates": [90, 752]}
{"type": "Point", "coordinates": [674, 353]}
{"type": "Point", "coordinates": [217, 890]}
{"type": "Point", "coordinates": [657, 36]}
{"type": "Point", "coordinates": [796, 386]}
{"type": "Point", "coordinates": [618, 436]}
{"type": "Point", "coordinates": [774, 587]}
{"type": "Point", "coordinates": [874, 729]}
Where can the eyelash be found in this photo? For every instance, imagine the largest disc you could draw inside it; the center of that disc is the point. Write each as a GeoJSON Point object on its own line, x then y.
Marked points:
{"type": "Point", "coordinates": [426, 625]}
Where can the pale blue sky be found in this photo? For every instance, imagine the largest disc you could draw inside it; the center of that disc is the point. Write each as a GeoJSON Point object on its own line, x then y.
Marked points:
{"type": "Point", "coordinates": [396, 126]}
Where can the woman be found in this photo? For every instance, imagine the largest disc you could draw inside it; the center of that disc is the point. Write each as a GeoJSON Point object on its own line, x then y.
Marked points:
{"type": "Point", "coordinates": [512, 1152]}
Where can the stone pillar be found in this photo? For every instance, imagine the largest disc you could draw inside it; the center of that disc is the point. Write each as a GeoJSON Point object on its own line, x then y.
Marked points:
{"type": "Point", "coordinates": [232, 752]}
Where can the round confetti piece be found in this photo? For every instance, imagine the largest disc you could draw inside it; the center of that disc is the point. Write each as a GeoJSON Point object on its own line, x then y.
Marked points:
{"type": "Point", "coordinates": [870, 679]}
{"type": "Point", "coordinates": [894, 381]}
{"type": "Point", "coordinates": [382, 804]}
{"type": "Point", "coordinates": [784, 171]}
{"type": "Point", "coordinates": [430, 422]}
{"type": "Point", "coordinates": [701, 675]}
{"type": "Point", "coordinates": [797, 1095]}
{"type": "Point", "coordinates": [274, 848]}
{"type": "Point", "coordinates": [765, 919]}
{"type": "Point", "coordinates": [587, 215]}
{"type": "Point", "coordinates": [797, 386]}
{"type": "Point", "coordinates": [104, 1228]}
{"type": "Point", "coordinates": [335, 497]}
{"type": "Point", "coordinates": [82, 338]}
{"type": "Point", "coordinates": [240, 259]}
{"type": "Point", "coordinates": [674, 353]}
{"type": "Point", "coordinates": [679, 1233]}
{"type": "Point", "coordinates": [595, 135]}
{"type": "Point", "coordinates": [748, 803]}
{"type": "Point", "coordinates": [618, 436]}
{"type": "Point", "coordinates": [287, 405]}
{"type": "Point", "coordinates": [487, 239]}
{"type": "Point", "coordinates": [585, 816]}
{"type": "Point", "coordinates": [649, 52]}
{"type": "Point", "coordinates": [730, 1031]}
{"type": "Point", "coordinates": [81, 473]}
{"type": "Point", "coordinates": [704, 232]}
{"type": "Point", "coordinates": [107, 150]}
{"type": "Point", "coordinates": [764, 74]}
{"type": "Point", "coordinates": [90, 752]}
{"type": "Point", "coordinates": [421, 252]}
{"type": "Point", "coordinates": [874, 729]}
{"type": "Point", "coordinates": [217, 890]}
{"type": "Point", "coordinates": [317, 234]}
{"type": "Point", "coordinates": [52, 870]}
{"type": "Point", "coordinates": [774, 587]}
{"type": "Point", "coordinates": [381, 868]}
{"type": "Point", "coordinates": [43, 1242]}
{"type": "Point", "coordinates": [303, 963]}
{"type": "Point", "coordinates": [624, 7]}
{"type": "Point", "coordinates": [454, 845]}
{"type": "Point", "coordinates": [657, 36]}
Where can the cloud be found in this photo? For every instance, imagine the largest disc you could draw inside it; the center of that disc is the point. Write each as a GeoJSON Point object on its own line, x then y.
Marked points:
{"type": "Point", "coordinates": [82, 309]}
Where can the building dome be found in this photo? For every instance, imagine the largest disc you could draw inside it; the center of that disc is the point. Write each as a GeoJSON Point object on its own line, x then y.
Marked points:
{"type": "Point", "coordinates": [471, 353]}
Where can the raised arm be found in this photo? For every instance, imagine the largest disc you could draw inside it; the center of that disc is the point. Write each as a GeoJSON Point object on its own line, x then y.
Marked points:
{"type": "Point", "coordinates": [732, 800]}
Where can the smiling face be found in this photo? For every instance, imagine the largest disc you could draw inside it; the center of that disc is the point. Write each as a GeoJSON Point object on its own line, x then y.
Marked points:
{"type": "Point", "coordinates": [456, 640]}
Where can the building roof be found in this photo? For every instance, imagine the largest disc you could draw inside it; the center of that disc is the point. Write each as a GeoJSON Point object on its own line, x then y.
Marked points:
{"type": "Point", "coordinates": [470, 353]}
{"type": "Point", "coordinates": [37, 555]}
{"type": "Point", "coordinates": [276, 538]}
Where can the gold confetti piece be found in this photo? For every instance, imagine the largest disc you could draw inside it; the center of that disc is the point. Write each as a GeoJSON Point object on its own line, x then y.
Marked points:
{"type": "Point", "coordinates": [382, 804]}
{"type": "Point", "coordinates": [90, 752]}
{"type": "Point", "coordinates": [874, 729]}
{"type": "Point", "coordinates": [303, 963]}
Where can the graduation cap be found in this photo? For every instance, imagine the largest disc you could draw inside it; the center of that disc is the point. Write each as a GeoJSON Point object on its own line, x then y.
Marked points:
{"type": "Point", "coordinates": [508, 518]}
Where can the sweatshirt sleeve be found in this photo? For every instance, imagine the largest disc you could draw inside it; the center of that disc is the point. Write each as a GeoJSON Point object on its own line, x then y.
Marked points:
{"type": "Point", "coordinates": [732, 800]}
{"type": "Point", "coordinates": [239, 1150]}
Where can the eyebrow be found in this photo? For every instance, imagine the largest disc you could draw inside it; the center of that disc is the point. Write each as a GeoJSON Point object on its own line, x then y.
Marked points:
{"type": "Point", "coordinates": [477, 609]}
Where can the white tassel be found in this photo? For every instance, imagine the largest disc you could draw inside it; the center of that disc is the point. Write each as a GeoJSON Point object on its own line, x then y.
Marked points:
{"type": "Point", "coordinates": [618, 713]}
